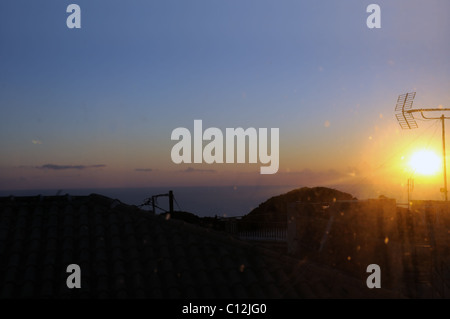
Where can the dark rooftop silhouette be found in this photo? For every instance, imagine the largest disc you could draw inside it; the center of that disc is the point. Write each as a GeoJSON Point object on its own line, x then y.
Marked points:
{"type": "Point", "coordinates": [125, 252]}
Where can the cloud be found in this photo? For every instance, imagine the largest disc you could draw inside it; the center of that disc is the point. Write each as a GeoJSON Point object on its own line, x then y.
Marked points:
{"type": "Point", "coordinates": [308, 176]}
{"type": "Point", "coordinates": [196, 170]}
{"type": "Point", "coordinates": [65, 167]}
{"type": "Point", "coordinates": [143, 169]}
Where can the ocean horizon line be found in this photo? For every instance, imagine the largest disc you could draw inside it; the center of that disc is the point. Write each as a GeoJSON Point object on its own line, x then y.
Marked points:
{"type": "Point", "coordinates": [204, 201]}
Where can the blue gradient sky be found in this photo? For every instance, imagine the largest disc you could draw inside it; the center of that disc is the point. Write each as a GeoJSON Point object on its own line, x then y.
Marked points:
{"type": "Point", "coordinates": [100, 102]}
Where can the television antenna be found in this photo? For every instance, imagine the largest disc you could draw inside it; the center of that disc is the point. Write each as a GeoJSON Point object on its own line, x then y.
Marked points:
{"type": "Point", "coordinates": [405, 117]}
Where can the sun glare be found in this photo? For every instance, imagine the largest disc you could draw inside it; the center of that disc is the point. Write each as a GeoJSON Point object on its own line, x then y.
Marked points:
{"type": "Point", "coordinates": [425, 162]}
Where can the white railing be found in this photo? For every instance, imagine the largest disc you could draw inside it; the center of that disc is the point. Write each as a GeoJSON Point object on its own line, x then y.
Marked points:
{"type": "Point", "coordinates": [279, 234]}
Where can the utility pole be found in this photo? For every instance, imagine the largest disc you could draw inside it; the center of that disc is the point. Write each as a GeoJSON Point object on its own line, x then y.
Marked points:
{"type": "Point", "coordinates": [445, 190]}
{"type": "Point", "coordinates": [170, 202]}
{"type": "Point", "coordinates": [410, 189]}
{"type": "Point", "coordinates": [154, 198]}
{"type": "Point", "coordinates": [405, 117]}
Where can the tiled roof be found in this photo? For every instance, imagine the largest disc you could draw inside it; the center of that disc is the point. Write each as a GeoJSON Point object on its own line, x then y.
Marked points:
{"type": "Point", "coordinates": [125, 252]}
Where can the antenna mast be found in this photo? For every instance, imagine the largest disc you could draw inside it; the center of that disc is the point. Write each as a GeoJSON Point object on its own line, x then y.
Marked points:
{"type": "Point", "coordinates": [405, 117]}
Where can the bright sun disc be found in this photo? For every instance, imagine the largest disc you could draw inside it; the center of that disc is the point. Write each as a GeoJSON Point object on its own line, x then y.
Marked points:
{"type": "Point", "coordinates": [425, 162]}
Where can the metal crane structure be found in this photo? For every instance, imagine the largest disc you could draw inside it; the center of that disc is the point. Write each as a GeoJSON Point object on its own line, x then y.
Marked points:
{"type": "Point", "coordinates": [405, 117]}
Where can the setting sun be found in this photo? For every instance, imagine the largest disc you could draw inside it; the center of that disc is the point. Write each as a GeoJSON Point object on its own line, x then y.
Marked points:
{"type": "Point", "coordinates": [425, 162]}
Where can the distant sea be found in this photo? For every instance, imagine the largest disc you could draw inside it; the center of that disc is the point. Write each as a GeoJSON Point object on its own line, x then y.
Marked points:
{"type": "Point", "coordinates": [226, 201]}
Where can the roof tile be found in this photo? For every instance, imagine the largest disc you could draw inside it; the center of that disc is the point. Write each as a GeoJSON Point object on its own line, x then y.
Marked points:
{"type": "Point", "coordinates": [27, 290]}
{"type": "Point", "coordinates": [125, 252]}
{"type": "Point", "coordinates": [7, 290]}
{"type": "Point", "coordinates": [10, 276]}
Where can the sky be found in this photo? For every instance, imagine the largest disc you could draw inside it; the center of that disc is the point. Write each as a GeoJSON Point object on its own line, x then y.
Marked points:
{"type": "Point", "coordinates": [95, 106]}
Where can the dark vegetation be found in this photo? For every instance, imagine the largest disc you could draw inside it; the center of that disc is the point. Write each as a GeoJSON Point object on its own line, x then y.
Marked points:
{"type": "Point", "coordinates": [274, 210]}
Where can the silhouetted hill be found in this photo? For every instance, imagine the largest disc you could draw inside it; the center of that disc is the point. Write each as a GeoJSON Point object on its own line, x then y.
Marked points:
{"type": "Point", "coordinates": [274, 210]}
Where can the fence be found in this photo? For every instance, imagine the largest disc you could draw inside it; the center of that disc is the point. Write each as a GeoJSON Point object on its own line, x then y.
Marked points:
{"type": "Point", "coordinates": [256, 230]}
{"type": "Point", "coordinates": [276, 234]}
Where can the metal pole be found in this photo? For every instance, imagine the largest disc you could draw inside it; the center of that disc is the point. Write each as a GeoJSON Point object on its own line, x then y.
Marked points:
{"type": "Point", "coordinates": [409, 187]}
{"type": "Point", "coordinates": [170, 201]}
{"type": "Point", "coordinates": [153, 204]}
{"type": "Point", "coordinates": [445, 165]}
